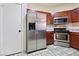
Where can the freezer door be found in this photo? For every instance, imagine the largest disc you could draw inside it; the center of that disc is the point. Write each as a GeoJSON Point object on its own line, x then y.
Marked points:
{"type": "Point", "coordinates": [31, 41]}
{"type": "Point", "coordinates": [31, 16]}
{"type": "Point", "coordinates": [41, 39]}
{"type": "Point", "coordinates": [31, 37]}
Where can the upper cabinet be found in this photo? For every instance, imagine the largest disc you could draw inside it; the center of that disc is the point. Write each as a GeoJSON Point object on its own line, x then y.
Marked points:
{"type": "Point", "coordinates": [60, 14]}
{"type": "Point", "coordinates": [75, 15]}
{"type": "Point", "coordinates": [69, 15]}
{"type": "Point", "coordinates": [49, 18]}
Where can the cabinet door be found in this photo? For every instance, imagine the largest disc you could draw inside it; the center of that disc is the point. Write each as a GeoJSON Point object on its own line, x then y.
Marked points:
{"type": "Point", "coordinates": [77, 13]}
{"type": "Point", "coordinates": [49, 18]}
{"type": "Point", "coordinates": [60, 14]}
{"type": "Point", "coordinates": [74, 40]}
{"type": "Point", "coordinates": [11, 42]}
{"type": "Point", "coordinates": [50, 38]}
{"type": "Point", "coordinates": [64, 13]}
{"type": "Point", "coordinates": [73, 15]}
{"type": "Point", "coordinates": [69, 15]}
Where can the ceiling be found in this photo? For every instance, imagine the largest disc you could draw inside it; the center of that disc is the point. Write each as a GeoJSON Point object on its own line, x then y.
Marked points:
{"type": "Point", "coordinates": [52, 7]}
{"type": "Point", "coordinates": [49, 4]}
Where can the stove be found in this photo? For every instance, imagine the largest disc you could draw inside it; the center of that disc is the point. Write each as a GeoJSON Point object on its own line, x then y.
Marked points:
{"type": "Point", "coordinates": [61, 37]}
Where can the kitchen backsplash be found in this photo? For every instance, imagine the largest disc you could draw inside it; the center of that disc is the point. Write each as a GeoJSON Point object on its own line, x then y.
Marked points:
{"type": "Point", "coordinates": [50, 28]}
{"type": "Point", "coordinates": [75, 24]}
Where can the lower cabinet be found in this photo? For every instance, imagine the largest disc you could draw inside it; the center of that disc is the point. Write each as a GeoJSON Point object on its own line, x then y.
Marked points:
{"type": "Point", "coordinates": [74, 40]}
{"type": "Point", "coordinates": [50, 37]}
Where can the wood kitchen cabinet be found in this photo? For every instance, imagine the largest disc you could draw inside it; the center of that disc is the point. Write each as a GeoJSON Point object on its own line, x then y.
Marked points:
{"type": "Point", "coordinates": [75, 15]}
{"type": "Point", "coordinates": [69, 15]}
{"type": "Point", "coordinates": [60, 14]}
{"type": "Point", "coordinates": [63, 13]}
{"type": "Point", "coordinates": [74, 40]}
{"type": "Point", "coordinates": [50, 37]}
{"type": "Point", "coordinates": [49, 19]}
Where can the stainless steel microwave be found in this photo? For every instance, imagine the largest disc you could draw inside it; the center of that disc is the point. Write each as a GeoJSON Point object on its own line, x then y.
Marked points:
{"type": "Point", "coordinates": [60, 20]}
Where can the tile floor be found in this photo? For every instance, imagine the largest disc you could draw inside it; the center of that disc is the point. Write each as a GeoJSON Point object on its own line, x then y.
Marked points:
{"type": "Point", "coordinates": [52, 51]}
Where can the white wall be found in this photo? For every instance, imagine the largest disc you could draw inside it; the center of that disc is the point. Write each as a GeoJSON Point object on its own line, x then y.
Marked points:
{"type": "Point", "coordinates": [0, 27]}
{"type": "Point", "coordinates": [24, 12]}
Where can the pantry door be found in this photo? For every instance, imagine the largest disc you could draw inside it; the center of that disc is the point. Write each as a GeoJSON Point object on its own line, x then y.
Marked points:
{"type": "Point", "coordinates": [0, 27]}
{"type": "Point", "coordinates": [12, 41]}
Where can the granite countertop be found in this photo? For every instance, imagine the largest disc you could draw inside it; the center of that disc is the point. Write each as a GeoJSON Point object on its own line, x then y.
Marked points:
{"type": "Point", "coordinates": [73, 27]}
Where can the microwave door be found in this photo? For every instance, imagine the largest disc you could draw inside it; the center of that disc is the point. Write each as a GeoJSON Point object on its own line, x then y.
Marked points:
{"type": "Point", "coordinates": [60, 20]}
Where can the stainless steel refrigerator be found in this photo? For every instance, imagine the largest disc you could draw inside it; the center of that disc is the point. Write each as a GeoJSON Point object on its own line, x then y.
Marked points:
{"type": "Point", "coordinates": [36, 31]}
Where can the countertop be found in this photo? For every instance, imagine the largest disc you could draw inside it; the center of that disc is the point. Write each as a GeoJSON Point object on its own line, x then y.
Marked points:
{"type": "Point", "coordinates": [74, 27]}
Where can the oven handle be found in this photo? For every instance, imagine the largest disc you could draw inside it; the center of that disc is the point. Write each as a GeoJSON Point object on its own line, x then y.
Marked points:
{"type": "Point", "coordinates": [63, 33]}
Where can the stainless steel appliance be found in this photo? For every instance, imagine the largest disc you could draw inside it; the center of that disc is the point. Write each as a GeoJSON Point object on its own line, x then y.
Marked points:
{"type": "Point", "coordinates": [36, 31]}
{"type": "Point", "coordinates": [61, 20]}
{"type": "Point", "coordinates": [61, 37]}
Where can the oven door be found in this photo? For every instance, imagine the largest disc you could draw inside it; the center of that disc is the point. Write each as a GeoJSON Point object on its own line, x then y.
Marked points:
{"type": "Point", "coordinates": [62, 37]}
